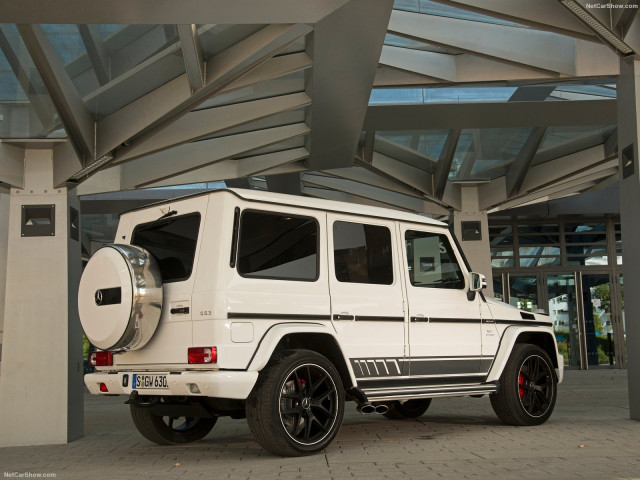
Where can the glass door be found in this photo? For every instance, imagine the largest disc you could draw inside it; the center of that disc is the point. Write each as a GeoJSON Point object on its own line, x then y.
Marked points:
{"type": "Point", "coordinates": [598, 319]}
{"type": "Point", "coordinates": [563, 310]}
{"type": "Point", "coordinates": [523, 292]}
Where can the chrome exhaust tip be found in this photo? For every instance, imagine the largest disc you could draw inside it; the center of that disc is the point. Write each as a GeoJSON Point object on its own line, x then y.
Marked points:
{"type": "Point", "coordinates": [381, 409]}
{"type": "Point", "coordinates": [366, 408]}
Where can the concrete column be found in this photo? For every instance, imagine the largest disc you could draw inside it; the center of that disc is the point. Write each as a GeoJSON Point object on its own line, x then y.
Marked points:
{"type": "Point", "coordinates": [41, 391]}
{"type": "Point", "coordinates": [4, 233]}
{"type": "Point", "coordinates": [477, 250]}
{"type": "Point", "coordinates": [628, 137]}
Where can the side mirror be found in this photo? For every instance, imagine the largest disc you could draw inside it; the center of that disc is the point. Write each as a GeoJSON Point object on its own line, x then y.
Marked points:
{"type": "Point", "coordinates": [477, 282]}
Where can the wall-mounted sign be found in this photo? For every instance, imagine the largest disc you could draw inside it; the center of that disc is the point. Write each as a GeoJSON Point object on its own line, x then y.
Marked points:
{"type": "Point", "coordinates": [471, 231]}
{"type": "Point", "coordinates": [628, 161]}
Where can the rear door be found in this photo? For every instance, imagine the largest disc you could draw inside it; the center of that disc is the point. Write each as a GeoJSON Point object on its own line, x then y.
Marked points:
{"type": "Point", "coordinates": [367, 300]}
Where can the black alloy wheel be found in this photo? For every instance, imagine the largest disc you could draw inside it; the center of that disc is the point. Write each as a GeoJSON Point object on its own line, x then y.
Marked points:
{"type": "Point", "coordinates": [297, 405]}
{"type": "Point", "coordinates": [528, 387]}
{"type": "Point", "coordinates": [170, 430]}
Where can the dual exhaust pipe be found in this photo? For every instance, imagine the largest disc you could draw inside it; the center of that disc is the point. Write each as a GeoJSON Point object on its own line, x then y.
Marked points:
{"type": "Point", "coordinates": [369, 408]}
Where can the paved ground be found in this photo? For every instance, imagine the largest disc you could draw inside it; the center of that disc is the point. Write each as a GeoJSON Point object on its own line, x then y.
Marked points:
{"type": "Point", "coordinates": [588, 436]}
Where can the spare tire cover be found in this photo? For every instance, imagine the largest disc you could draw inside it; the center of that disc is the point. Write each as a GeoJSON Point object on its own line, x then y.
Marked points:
{"type": "Point", "coordinates": [120, 297]}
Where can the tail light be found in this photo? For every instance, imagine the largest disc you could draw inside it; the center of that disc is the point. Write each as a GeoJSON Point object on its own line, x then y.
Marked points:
{"type": "Point", "coordinates": [101, 359]}
{"type": "Point", "coordinates": [103, 388]}
{"type": "Point", "coordinates": [203, 355]}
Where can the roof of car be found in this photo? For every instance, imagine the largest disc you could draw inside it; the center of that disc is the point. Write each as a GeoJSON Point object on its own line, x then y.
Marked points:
{"type": "Point", "coordinates": [312, 203]}
{"type": "Point", "coordinates": [332, 205]}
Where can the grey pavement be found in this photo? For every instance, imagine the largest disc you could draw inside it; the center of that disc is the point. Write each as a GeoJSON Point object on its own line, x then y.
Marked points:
{"type": "Point", "coordinates": [588, 436]}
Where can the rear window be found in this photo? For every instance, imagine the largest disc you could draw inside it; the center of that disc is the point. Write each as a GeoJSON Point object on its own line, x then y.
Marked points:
{"type": "Point", "coordinates": [172, 241]}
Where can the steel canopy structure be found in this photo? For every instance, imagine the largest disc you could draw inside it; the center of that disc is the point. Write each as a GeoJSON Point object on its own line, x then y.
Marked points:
{"type": "Point", "coordinates": [453, 109]}
{"type": "Point", "coordinates": [398, 104]}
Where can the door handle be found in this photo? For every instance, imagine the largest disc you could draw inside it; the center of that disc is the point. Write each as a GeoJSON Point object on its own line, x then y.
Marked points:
{"type": "Point", "coordinates": [343, 316]}
{"type": "Point", "coordinates": [420, 318]}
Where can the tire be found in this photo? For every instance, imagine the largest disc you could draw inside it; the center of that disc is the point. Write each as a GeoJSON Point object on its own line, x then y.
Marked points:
{"type": "Point", "coordinates": [407, 409]}
{"type": "Point", "coordinates": [170, 430]}
{"type": "Point", "coordinates": [297, 405]}
{"type": "Point", "coordinates": [528, 387]}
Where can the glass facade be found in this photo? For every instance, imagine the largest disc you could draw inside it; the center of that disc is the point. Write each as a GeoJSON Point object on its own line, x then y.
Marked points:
{"type": "Point", "coordinates": [571, 270]}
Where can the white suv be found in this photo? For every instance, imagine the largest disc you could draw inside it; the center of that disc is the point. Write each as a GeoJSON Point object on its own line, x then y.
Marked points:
{"type": "Point", "coordinates": [279, 308]}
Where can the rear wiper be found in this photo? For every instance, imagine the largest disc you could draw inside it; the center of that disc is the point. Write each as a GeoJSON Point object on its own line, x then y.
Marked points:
{"type": "Point", "coordinates": [168, 214]}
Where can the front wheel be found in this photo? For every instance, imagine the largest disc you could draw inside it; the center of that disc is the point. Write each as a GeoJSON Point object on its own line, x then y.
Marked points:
{"type": "Point", "coordinates": [170, 430]}
{"type": "Point", "coordinates": [528, 387]}
{"type": "Point", "coordinates": [296, 408]}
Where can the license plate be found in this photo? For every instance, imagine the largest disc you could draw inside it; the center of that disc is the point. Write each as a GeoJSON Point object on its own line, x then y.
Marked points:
{"type": "Point", "coordinates": [141, 381]}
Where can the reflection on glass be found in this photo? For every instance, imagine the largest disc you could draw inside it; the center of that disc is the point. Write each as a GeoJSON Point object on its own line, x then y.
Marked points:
{"type": "Point", "coordinates": [564, 314]}
{"type": "Point", "coordinates": [523, 292]}
{"type": "Point", "coordinates": [596, 294]}
{"type": "Point", "coordinates": [497, 288]}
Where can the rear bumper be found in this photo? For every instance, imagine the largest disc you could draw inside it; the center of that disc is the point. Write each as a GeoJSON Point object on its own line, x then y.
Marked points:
{"type": "Point", "coordinates": [218, 384]}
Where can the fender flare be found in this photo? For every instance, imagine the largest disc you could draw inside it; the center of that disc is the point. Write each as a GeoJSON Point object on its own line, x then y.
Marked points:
{"type": "Point", "coordinates": [276, 332]}
{"type": "Point", "coordinates": [508, 340]}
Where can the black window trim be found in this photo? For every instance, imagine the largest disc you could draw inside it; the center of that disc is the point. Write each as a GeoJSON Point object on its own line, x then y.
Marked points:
{"type": "Point", "coordinates": [284, 214]}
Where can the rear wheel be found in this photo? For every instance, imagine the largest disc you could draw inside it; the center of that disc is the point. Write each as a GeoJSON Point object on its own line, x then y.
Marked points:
{"type": "Point", "coordinates": [408, 409]}
{"type": "Point", "coordinates": [170, 430]}
{"type": "Point", "coordinates": [528, 387]}
{"type": "Point", "coordinates": [296, 408]}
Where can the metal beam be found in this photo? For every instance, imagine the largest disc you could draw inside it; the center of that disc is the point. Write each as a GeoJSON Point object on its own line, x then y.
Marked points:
{"type": "Point", "coordinates": [389, 198]}
{"type": "Point", "coordinates": [183, 12]}
{"type": "Point", "coordinates": [174, 99]}
{"type": "Point", "coordinates": [345, 62]}
{"type": "Point", "coordinates": [503, 42]}
{"type": "Point", "coordinates": [235, 169]}
{"type": "Point", "coordinates": [75, 118]}
{"type": "Point", "coordinates": [36, 94]}
{"type": "Point", "coordinates": [408, 175]}
{"type": "Point", "coordinates": [541, 14]}
{"type": "Point", "coordinates": [65, 164]}
{"type": "Point", "coordinates": [562, 168]}
{"type": "Point", "coordinates": [404, 154]}
{"type": "Point", "coordinates": [96, 52]}
{"type": "Point", "coordinates": [560, 189]}
{"type": "Point", "coordinates": [12, 165]}
{"type": "Point", "coordinates": [328, 194]}
{"type": "Point", "coordinates": [273, 68]}
{"type": "Point", "coordinates": [192, 55]}
{"type": "Point", "coordinates": [162, 165]}
{"type": "Point", "coordinates": [520, 166]}
{"type": "Point", "coordinates": [490, 115]}
{"type": "Point", "coordinates": [202, 123]}
{"type": "Point", "coordinates": [444, 163]}
{"type": "Point", "coordinates": [431, 64]}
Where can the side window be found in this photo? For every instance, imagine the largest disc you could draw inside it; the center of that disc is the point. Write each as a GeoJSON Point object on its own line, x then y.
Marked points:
{"type": "Point", "coordinates": [431, 261]}
{"type": "Point", "coordinates": [278, 246]}
{"type": "Point", "coordinates": [173, 243]}
{"type": "Point", "coordinates": [362, 253]}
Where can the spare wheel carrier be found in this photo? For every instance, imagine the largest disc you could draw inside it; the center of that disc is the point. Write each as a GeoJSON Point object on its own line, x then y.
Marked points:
{"type": "Point", "coordinates": [120, 297]}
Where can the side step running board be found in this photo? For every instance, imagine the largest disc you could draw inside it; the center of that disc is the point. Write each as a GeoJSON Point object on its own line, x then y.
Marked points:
{"type": "Point", "coordinates": [406, 393]}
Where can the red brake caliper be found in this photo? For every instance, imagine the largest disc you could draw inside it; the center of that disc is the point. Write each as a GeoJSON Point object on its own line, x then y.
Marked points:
{"type": "Point", "coordinates": [520, 383]}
